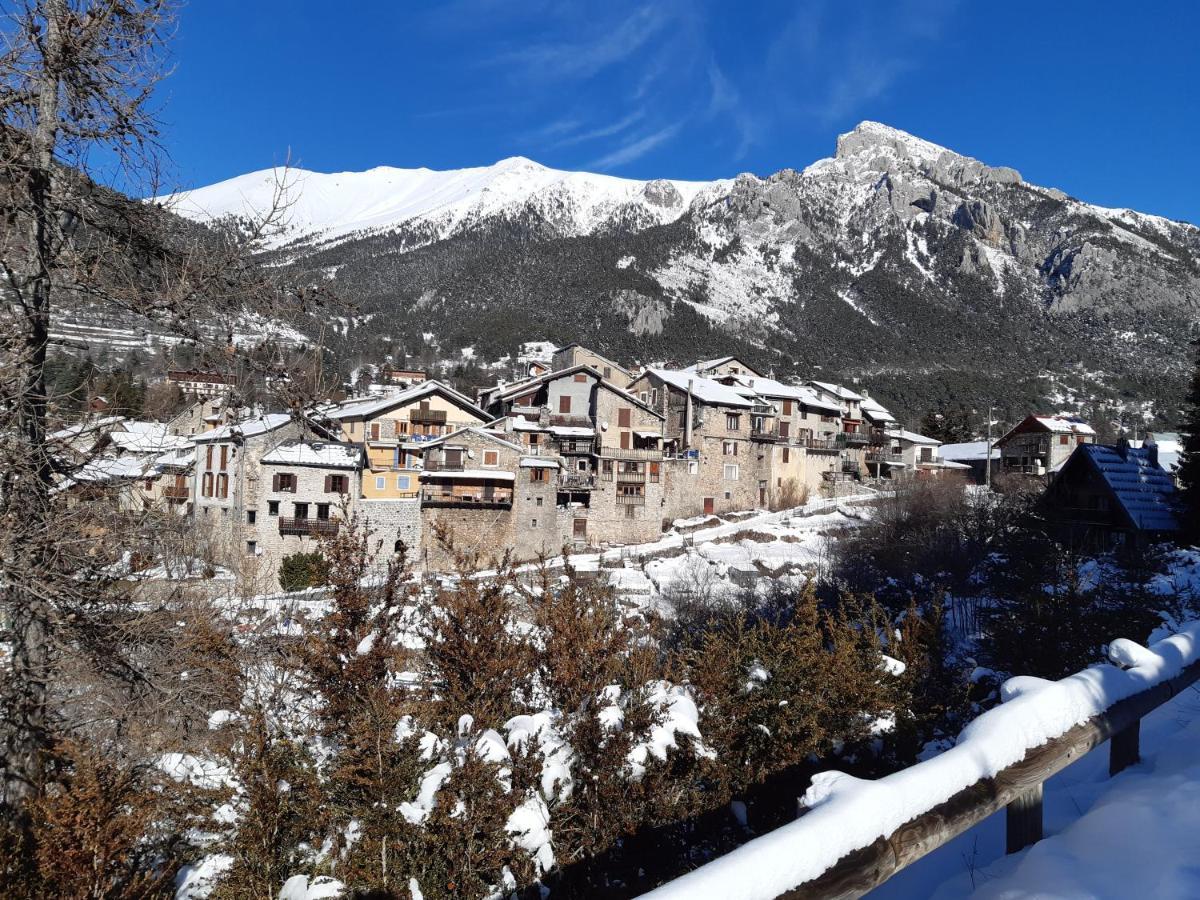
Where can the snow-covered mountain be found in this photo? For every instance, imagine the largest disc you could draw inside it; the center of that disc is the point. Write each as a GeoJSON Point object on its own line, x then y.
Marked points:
{"type": "Point", "coordinates": [940, 279]}
{"type": "Point", "coordinates": [325, 207]}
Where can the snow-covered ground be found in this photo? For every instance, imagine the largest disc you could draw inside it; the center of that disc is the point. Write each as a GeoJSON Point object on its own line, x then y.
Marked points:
{"type": "Point", "coordinates": [1134, 835]}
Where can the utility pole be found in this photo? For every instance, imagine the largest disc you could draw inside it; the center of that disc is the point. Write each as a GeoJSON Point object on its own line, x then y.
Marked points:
{"type": "Point", "coordinates": [987, 462]}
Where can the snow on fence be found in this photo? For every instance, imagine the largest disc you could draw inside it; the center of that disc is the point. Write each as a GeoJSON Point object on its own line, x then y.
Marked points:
{"type": "Point", "coordinates": [854, 834]}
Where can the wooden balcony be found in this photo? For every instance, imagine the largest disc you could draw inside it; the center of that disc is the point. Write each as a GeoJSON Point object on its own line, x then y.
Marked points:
{"type": "Point", "coordinates": [575, 447]}
{"type": "Point", "coordinates": [578, 481]}
{"type": "Point", "coordinates": [308, 527]}
{"type": "Point", "coordinates": [631, 452]}
{"type": "Point", "coordinates": [443, 499]}
{"type": "Point", "coordinates": [854, 438]}
{"type": "Point", "coordinates": [427, 416]}
{"type": "Point", "coordinates": [631, 500]}
{"type": "Point", "coordinates": [177, 492]}
{"type": "Point", "coordinates": [827, 445]}
{"type": "Point", "coordinates": [766, 434]}
{"type": "Point", "coordinates": [440, 465]}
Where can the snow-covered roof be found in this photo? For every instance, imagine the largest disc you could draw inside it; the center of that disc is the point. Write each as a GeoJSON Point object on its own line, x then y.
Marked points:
{"type": "Point", "coordinates": [475, 474]}
{"type": "Point", "coordinates": [754, 386]}
{"type": "Point", "coordinates": [1144, 491]}
{"type": "Point", "coordinates": [88, 427]}
{"type": "Point", "coordinates": [706, 390]}
{"type": "Point", "coordinates": [875, 411]}
{"type": "Point", "coordinates": [364, 408]}
{"type": "Point", "coordinates": [448, 438]}
{"type": "Point", "coordinates": [539, 462]}
{"type": "Point", "coordinates": [524, 387]}
{"type": "Point", "coordinates": [318, 454]}
{"type": "Point", "coordinates": [1064, 424]}
{"type": "Point", "coordinates": [147, 437]}
{"type": "Point", "coordinates": [520, 423]}
{"type": "Point", "coordinates": [179, 458]}
{"type": "Point", "coordinates": [648, 435]}
{"type": "Point", "coordinates": [968, 450]}
{"type": "Point", "coordinates": [108, 468]}
{"type": "Point", "coordinates": [709, 364]}
{"type": "Point", "coordinates": [900, 434]}
{"type": "Point", "coordinates": [837, 390]}
{"type": "Point", "coordinates": [571, 431]}
{"type": "Point", "coordinates": [247, 428]}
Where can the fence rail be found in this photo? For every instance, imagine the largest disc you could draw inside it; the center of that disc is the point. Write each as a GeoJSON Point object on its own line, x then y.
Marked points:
{"type": "Point", "coordinates": [802, 849]}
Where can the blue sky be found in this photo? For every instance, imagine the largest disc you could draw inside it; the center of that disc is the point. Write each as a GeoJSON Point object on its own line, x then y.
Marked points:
{"type": "Point", "coordinates": [1099, 99]}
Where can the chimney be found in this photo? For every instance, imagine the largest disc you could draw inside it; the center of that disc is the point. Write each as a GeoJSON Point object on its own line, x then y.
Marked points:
{"type": "Point", "coordinates": [1151, 448]}
{"type": "Point", "coordinates": [1123, 446]}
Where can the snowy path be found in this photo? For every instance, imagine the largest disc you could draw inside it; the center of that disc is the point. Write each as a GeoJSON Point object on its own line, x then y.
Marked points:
{"type": "Point", "coordinates": [1135, 835]}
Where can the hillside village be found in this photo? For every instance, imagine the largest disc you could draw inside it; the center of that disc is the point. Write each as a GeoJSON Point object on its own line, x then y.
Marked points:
{"type": "Point", "coordinates": [580, 453]}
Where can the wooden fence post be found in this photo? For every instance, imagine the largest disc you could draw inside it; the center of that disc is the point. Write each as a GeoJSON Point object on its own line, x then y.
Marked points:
{"type": "Point", "coordinates": [1024, 820]}
{"type": "Point", "coordinates": [1124, 748]}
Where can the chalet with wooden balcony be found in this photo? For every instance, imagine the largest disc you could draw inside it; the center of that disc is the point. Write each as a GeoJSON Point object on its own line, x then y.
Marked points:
{"type": "Point", "coordinates": [1106, 496]}
{"type": "Point", "coordinates": [394, 430]}
{"type": "Point", "coordinates": [1039, 445]}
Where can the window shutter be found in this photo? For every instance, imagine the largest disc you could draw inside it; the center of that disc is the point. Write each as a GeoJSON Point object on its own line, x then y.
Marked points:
{"type": "Point", "coordinates": [564, 404]}
{"type": "Point", "coordinates": [275, 482]}
{"type": "Point", "coordinates": [374, 431]}
{"type": "Point", "coordinates": [208, 457]}
{"type": "Point", "coordinates": [328, 483]}
{"type": "Point", "coordinates": [224, 457]}
{"type": "Point", "coordinates": [624, 440]}
{"type": "Point", "coordinates": [623, 417]}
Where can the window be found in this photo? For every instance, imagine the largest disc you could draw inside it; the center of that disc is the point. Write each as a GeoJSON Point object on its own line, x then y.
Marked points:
{"type": "Point", "coordinates": [624, 417]}
{"type": "Point", "coordinates": [693, 467]}
{"type": "Point", "coordinates": [606, 469]}
{"type": "Point", "coordinates": [453, 459]}
{"type": "Point", "coordinates": [380, 483]}
{"type": "Point", "coordinates": [208, 457]}
{"type": "Point", "coordinates": [631, 512]}
{"type": "Point", "coordinates": [654, 397]}
{"type": "Point", "coordinates": [731, 472]}
{"type": "Point", "coordinates": [787, 454]}
{"type": "Point", "coordinates": [284, 482]}
{"type": "Point", "coordinates": [643, 396]}
{"type": "Point", "coordinates": [729, 495]}
{"type": "Point", "coordinates": [731, 421]}
{"type": "Point", "coordinates": [785, 430]}
{"type": "Point", "coordinates": [580, 378]}
{"type": "Point", "coordinates": [608, 371]}
{"type": "Point", "coordinates": [301, 510]}
{"type": "Point", "coordinates": [1063, 439]}
{"type": "Point", "coordinates": [224, 457]}
{"type": "Point", "coordinates": [223, 485]}
{"type": "Point", "coordinates": [403, 482]}
{"type": "Point", "coordinates": [564, 405]}
{"type": "Point", "coordinates": [538, 474]}
{"type": "Point", "coordinates": [579, 528]}
{"type": "Point", "coordinates": [251, 516]}
{"type": "Point", "coordinates": [729, 448]}
{"type": "Point", "coordinates": [581, 465]}
{"type": "Point", "coordinates": [654, 472]}
{"type": "Point", "coordinates": [533, 523]}
{"type": "Point", "coordinates": [625, 440]}
{"type": "Point", "coordinates": [539, 501]}
{"type": "Point", "coordinates": [323, 511]}
{"type": "Point", "coordinates": [337, 484]}
{"type": "Point", "coordinates": [251, 547]}
{"type": "Point", "coordinates": [272, 507]}
{"type": "Point", "coordinates": [206, 488]}
{"type": "Point", "coordinates": [787, 407]}
{"type": "Point", "coordinates": [491, 458]}
{"type": "Point", "coordinates": [926, 454]}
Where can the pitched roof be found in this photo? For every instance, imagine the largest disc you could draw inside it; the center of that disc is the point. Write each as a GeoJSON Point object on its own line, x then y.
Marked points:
{"type": "Point", "coordinates": [318, 454]}
{"type": "Point", "coordinates": [755, 385]}
{"type": "Point", "coordinates": [875, 411]}
{"type": "Point", "coordinates": [709, 364]}
{"type": "Point", "coordinates": [247, 428]}
{"type": "Point", "coordinates": [1145, 493]}
{"type": "Point", "coordinates": [706, 390]}
{"type": "Point", "coordinates": [973, 450]}
{"type": "Point", "coordinates": [837, 390]}
{"type": "Point", "coordinates": [912, 437]}
{"type": "Point", "coordinates": [363, 408]}
{"type": "Point", "coordinates": [524, 387]}
{"type": "Point", "coordinates": [480, 431]}
{"type": "Point", "coordinates": [1053, 424]}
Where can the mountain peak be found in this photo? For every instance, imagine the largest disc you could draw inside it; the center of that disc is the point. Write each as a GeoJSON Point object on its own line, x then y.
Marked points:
{"type": "Point", "coordinates": [870, 136]}
{"type": "Point", "coordinates": [881, 147]}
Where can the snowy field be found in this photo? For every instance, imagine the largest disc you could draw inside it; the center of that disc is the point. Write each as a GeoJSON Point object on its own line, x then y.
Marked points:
{"type": "Point", "coordinates": [1134, 835]}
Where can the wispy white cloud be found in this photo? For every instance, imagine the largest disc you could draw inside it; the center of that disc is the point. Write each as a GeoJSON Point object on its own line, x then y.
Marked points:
{"type": "Point", "coordinates": [602, 131]}
{"type": "Point", "coordinates": [635, 149]}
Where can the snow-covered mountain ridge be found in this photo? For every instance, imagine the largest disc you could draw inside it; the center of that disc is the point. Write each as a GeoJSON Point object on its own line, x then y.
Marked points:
{"type": "Point", "coordinates": [941, 277]}
{"type": "Point", "coordinates": [322, 207]}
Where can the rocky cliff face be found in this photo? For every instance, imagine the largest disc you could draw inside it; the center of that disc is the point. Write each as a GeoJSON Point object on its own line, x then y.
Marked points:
{"type": "Point", "coordinates": [936, 278]}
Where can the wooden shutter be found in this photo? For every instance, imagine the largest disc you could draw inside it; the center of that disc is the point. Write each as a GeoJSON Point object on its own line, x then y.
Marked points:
{"type": "Point", "coordinates": [374, 431]}
{"type": "Point", "coordinates": [784, 429]}
{"type": "Point", "coordinates": [224, 457]}
{"type": "Point", "coordinates": [328, 483]}
{"type": "Point", "coordinates": [623, 417]}
{"type": "Point", "coordinates": [275, 482]}
{"type": "Point", "coordinates": [564, 404]}
{"type": "Point", "coordinates": [208, 457]}
{"type": "Point", "coordinates": [624, 440]}
{"type": "Point", "coordinates": [787, 407]}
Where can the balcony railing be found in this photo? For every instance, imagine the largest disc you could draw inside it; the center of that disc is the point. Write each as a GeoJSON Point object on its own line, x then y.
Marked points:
{"type": "Point", "coordinates": [813, 443]}
{"type": "Point", "coordinates": [766, 434]}
{"type": "Point", "coordinates": [884, 456]}
{"type": "Point", "coordinates": [427, 416]}
{"type": "Point", "coordinates": [576, 447]}
{"type": "Point", "coordinates": [631, 500]}
{"type": "Point", "coordinates": [440, 465]}
{"type": "Point", "coordinates": [474, 501]}
{"type": "Point", "coordinates": [308, 527]}
{"type": "Point", "coordinates": [578, 481]}
{"type": "Point", "coordinates": [855, 438]}
{"type": "Point", "coordinates": [631, 452]}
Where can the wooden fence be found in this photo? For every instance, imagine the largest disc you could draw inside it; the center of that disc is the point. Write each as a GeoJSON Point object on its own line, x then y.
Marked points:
{"type": "Point", "coordinates": [1016, 788]}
